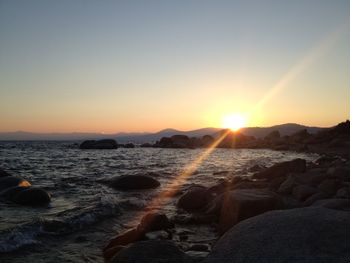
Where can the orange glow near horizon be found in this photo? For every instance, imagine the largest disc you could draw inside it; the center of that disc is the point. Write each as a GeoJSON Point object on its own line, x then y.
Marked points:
{"type": "Point", "coordinates": [234, 122]}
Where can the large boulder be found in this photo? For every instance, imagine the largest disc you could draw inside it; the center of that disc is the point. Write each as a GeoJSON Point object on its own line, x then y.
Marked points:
{"type": "Point", "coordinates": [241, 204]}
{"type": "Point", "coordinates": [33, 197]}
{"type": "Point", "coordinates": [194, 199]}
{"type": "Point", "coordinates": [100, 144]}
{"type": "Point", "coordinates": [154, 251]}
{"type": "Point", "coordinates": [133, 182]}
{"type": "Point", "coordinates": [282, 169]}
{"type": "Point", "coordinates": [303, 235]}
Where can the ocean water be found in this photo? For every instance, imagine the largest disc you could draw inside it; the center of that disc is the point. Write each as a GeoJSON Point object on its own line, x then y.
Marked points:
{"type": "Point", "coordinates": [85, 213]}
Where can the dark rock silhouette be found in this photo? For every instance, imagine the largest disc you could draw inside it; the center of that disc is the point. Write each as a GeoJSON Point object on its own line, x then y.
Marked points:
{"type": "Point", "coordinates": [133, 182]}
{"type": "Point", "coordinates": [20, 191]}
{"type": "Point", "coordinates": [195, 198]}
{"type": "Point", "coordinates": [100, 144]}
{"type": "Point", "coordinates": [282, 169]}
{"type": "Point", "coordinates": [32, 197]}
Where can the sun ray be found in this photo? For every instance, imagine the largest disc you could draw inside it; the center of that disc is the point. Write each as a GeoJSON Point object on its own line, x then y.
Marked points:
{"type": "Point", "coordinates": [310, 58]}
{"type": "Point", "coordinates": [171, 189]}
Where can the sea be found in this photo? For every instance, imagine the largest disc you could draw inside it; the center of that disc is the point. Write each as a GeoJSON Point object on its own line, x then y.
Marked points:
{"type": "Point", "coordinates": [85, 212]}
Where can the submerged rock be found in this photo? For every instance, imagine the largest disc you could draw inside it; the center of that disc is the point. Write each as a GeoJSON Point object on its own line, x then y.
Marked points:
{"type": "Point", "coordinates": [305, 235]}
{"type": "Point", "coordinates": [133, 182]}
{"type": "Point", "coordinates": [100, 144]}
{"type": "Point", "coordinates": [154, 251]}
{"type": "Point", "coordinates": [33, 197]}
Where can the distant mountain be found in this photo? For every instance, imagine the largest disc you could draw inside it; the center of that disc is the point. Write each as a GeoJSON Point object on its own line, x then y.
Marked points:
{"type": "Point", "coordinates": [284, 129]}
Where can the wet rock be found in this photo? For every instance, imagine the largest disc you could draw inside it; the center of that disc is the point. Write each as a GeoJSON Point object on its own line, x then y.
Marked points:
{"type": "Point", "coordinates": [304, 235]}
{"type": "Point", "coordinates": [100, 144]}
{"type": "Point", "coordinates": [33, 197]}
{"type": "Point", "coordinates": [302, 192]}
{"type": "Point", "coordinates": [329, 187]}
{"type": "Point", "coordinates": [154, 251]}
{"type": "Point", "coordinates": [10, 193]}
{"type": "Point", "coordinates": [154, 221]}
{"type": "Point", "coordinates": [312, 177]}
{"type": "Point", "coordinates": [111, 252]}
{"type": "Point", "coordinates": [11, 181]}
{"type": "Point", "coordinates": [344, 192]}
{"type": "Point", "coordinates": [275, 183]}
{"type": "Point", "coordinates": [341, 172]}
{"type": "Point", "coordinates": [287, 186]}
{"type": "Point", "coordinates": [133, 182]}
{"type": "Point", "coordinates": [282, 169]}
{"type": "Point", "coordinates": [194, 199]}
{"type": "Point", "coordinates": [241, 204]}
{"type": "Point", "coordinates": [219, 188]}
{"type": "Point", "coordinates": [125, 238]}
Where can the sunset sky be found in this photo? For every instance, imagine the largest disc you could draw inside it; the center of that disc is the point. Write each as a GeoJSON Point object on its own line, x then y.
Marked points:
{"type": "Point", "coordinates": [111, 66]}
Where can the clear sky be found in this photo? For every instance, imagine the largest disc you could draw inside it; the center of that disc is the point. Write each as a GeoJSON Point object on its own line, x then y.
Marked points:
{"type": "Point", "coordinates": [110, 66]}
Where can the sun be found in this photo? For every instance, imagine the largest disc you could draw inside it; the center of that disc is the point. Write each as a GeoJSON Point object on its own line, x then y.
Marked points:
{"type": "Point", "coordinates": [234, 122]}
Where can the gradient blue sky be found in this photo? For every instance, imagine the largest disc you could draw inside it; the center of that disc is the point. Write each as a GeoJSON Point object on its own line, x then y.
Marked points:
{"type": "Point", "coordinates": [110, 66]}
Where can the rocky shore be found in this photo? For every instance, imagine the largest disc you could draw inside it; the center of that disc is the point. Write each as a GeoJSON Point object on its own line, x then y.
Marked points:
{"type": "Point", "coordinates": [294, 211]}
{"type": "Point", "coordinates": [333, 141]}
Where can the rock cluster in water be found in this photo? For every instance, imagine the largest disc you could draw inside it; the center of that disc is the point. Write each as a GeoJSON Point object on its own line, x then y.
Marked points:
{"type": "Point", "coordinates": [20, 191]}
{"type": "Point", "coordinates": [104, 144]}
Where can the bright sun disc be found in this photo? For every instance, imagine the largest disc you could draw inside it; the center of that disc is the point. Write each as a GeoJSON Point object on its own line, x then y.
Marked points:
{"type": "Point", "coordinates": [234, 122]}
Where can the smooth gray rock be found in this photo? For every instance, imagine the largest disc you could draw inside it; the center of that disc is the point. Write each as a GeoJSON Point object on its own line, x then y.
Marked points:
{"type": "Point", "coordinates": [303, 235]}
{"type": "Point", "coordinates": [154, 251]}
